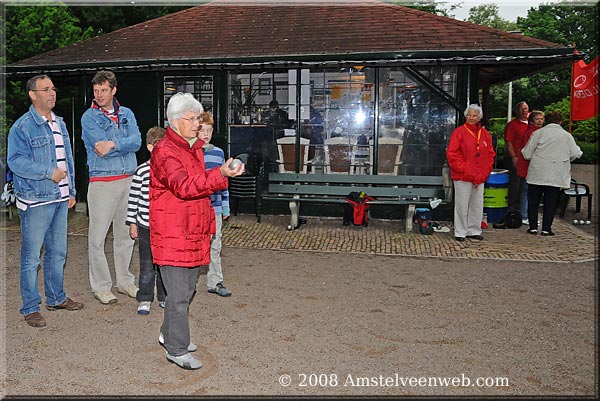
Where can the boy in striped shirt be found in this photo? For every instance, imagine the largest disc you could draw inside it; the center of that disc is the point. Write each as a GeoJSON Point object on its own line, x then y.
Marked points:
{"type": "Point", "coordinates": [214, 158]}
{"type": "Point", "coordinates": [138, 206]}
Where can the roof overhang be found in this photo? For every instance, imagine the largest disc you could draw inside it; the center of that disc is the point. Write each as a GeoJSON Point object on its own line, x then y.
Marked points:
{"type": "Point", "coordinates": [496, 66]}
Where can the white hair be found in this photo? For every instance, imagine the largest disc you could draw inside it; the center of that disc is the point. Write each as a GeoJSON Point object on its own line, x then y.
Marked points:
{"type": "Point", "coordinates": [475, 107]}
{"type": "Point", "coordinates": [181, 103]}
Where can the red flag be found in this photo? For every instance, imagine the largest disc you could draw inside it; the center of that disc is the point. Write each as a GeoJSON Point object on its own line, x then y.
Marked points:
{"type": "Point", "coordinates": [584, 90]}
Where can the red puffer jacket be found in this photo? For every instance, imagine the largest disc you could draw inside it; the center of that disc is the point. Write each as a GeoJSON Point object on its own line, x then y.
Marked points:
{"type": "Point", "coordinates": [181, 217]}
{"type": "Point", "coordinates": [465, 164]}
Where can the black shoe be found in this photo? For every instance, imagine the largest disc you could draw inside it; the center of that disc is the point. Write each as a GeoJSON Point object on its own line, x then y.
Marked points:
{"type": "Point", "coordinates": [532, 231]}
{"type": "Point", "coordinates": [547, 233]}
{"type": "Point", "coordinates": [461, 239]}
{"type": "Point", "coordinates": [476, 237]}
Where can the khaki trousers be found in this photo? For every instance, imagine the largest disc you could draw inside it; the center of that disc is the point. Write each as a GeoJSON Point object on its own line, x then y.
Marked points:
{"type": "Point", "coordinates": [107, 204]}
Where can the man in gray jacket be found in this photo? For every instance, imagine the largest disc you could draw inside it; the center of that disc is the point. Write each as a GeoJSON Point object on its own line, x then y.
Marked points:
{"type": "Point", "coordinates": [551, 150]}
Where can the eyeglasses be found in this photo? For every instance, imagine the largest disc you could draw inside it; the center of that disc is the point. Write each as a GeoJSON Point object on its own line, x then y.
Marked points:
{"type": "Point", "coordinates": [193, 119]}
{"type": "Point", "coordinates": [53, 89]}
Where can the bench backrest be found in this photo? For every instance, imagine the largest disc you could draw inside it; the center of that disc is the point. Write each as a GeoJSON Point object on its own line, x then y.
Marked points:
{"type": "Point", "coordinates": [384, 186]}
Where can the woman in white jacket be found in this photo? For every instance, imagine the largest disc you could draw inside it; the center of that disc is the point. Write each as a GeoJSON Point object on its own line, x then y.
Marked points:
{"type": "Point", "coordinates": [551, 150]}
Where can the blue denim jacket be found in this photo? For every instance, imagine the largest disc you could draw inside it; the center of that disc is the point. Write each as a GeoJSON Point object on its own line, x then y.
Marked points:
{"type": "Point", "coordinates": [95, 127]}
{"type": "Point", "coordinates": [32, 157]}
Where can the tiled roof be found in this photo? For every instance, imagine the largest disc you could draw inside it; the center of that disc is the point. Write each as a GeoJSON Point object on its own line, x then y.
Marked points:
{"type": "Point", "coordinates": [220, 31]}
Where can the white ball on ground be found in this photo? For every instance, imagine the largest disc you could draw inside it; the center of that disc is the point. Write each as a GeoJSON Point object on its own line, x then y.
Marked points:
{"type": "Point", "coordinates": [234, 164]}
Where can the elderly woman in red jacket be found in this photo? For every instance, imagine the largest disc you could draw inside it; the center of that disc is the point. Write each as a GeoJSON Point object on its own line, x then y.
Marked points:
{"type": "Point", "coordinates": [182, 219]}
{"type": "Point", "coordinates": [470, 156]}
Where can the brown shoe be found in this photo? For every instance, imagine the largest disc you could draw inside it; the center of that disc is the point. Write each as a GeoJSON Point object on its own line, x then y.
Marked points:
{"type": "Point", "coordinates": [68, 304]}
{"type": "Point", "coordinates": [35, 319]}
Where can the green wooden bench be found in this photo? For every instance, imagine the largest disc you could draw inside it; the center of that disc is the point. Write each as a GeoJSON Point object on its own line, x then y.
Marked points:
{"type": "Point", "coordinates": [410, 191]}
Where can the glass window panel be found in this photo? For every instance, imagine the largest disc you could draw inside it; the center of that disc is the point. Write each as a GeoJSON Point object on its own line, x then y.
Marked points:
{"type": "Point", "coordinates": [414, 114]}
{"type": "Point", "coordinates": [414, 122]}
{"type": "Point", "coordinates": [199, 86]}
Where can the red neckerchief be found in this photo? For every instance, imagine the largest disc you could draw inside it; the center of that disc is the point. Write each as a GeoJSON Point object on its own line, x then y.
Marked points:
{"type": "Point", "coordinates": [114, 115]}
{"type": "Point", "coordinates": [477, 138]}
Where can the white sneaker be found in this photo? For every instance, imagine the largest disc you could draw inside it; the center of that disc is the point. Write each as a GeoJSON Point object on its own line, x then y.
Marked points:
{"type": "Point", "coordinates": [144, 308]}
{"type": "Point", "coordinates": [105, 297]}
{"type": "Point", "coordinates": [130, 291]}
{"type": "Point", "coordinates": [191, 347]}
{"type": "Point", "coordinates": [525, 222]}
{"type": "Point", "coordinates": [185, 361]}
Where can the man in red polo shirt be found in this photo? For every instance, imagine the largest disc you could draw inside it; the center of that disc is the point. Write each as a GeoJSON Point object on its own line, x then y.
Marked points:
{"type": "Point", "coordinates": [513, 131]}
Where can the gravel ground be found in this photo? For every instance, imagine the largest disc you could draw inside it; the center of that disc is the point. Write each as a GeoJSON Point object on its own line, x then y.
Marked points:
{"type": "Point", "coordinates": [331, 323]}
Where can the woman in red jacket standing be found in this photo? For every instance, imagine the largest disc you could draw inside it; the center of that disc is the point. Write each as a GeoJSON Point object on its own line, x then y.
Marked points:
{"type": "Point", "coordinates": [470, 156]}
{"type": "Point", "coordinates": [182, 219]}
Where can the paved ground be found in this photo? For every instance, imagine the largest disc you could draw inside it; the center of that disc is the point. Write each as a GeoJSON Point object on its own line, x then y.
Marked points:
{"type": "Point", "coordinates": [360, 309]}
{"type": "Point", "coordinates": [571, 244]}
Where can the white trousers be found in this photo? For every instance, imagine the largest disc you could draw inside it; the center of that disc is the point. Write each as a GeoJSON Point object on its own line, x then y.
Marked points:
{"type": "Point", "coordinates": [215, 272]}
{"type": "Point", "coordinates": [107, 204]}
{"type": "Point", "coordinates": [468, 208]}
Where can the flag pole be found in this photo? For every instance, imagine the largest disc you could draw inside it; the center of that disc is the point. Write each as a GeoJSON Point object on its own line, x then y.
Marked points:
{"type": "Point", "coordinates": [571, 98]}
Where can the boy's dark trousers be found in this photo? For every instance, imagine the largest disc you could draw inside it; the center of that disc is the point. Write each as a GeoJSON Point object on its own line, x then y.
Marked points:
{"type": "Point", "coordinates": [149, 272]}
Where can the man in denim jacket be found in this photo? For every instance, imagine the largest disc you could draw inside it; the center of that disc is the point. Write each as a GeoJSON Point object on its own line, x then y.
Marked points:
{"type": "Point", "coordinates": [40, 157]}
{"type": "Point", "coordinates": [111, 137]}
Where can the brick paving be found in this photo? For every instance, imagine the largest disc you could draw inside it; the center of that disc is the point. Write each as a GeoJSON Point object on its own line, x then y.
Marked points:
{"type": "Point", "coordinates": [570, 244]}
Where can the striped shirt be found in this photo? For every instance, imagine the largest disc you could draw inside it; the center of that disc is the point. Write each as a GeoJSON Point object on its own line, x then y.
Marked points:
{"type": "Point", "coordinates": [61, 163]}
{"type": "Point", "coordinates": [138, 203]}
{"type": "Point", "coordinates": [214, 158]}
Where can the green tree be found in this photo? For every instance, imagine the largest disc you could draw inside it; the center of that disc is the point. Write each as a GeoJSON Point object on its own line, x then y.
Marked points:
{"type": "Point", "coordinates": [487, 15]}
{"type": "Point", "coordinates": [559, 23]}
{"type": "Point", "coordinates": [566, 24]}
{"type": "Point", "coordinates": [429, 6]}
{"type": "Point", "coordinates": [107, 19]}
{"type": "Point", "coordinates": [30, 31]}
{"type": "Point", "coordinates": [35, 30]}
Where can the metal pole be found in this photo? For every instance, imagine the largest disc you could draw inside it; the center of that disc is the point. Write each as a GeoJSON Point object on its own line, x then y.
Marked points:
{"type": "Point", "coordinates": [509, 114]}
{"type": "Point", "coordinates": [73, 133]}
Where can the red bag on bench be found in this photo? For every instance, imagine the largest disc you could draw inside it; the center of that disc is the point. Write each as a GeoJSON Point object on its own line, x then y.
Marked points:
{"type": "Point", "coordinates": [359, 202]}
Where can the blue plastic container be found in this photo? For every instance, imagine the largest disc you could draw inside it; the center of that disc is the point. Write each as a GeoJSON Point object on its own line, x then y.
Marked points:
{"type": "Point", "coordinates": [495, 195]}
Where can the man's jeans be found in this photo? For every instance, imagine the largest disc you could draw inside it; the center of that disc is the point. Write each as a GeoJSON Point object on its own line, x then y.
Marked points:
{"type": "Point", "coordinates": [43, 225]}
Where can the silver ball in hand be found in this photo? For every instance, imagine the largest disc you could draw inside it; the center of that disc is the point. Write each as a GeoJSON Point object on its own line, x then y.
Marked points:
{"type": "Point", "coordinates": [234, 164]}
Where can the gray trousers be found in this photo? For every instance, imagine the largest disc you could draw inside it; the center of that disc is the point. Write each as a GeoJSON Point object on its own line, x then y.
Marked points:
{"type": "Point", "coordinates": [107, 204]}
{"type": "Point", "coordinates": [180, 284]}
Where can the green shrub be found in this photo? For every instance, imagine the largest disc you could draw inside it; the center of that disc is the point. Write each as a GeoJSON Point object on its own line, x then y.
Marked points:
{"type": "Point", "coordinates": [590, 153]}
{"type": "Point", "coordinates": [496, 127]}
